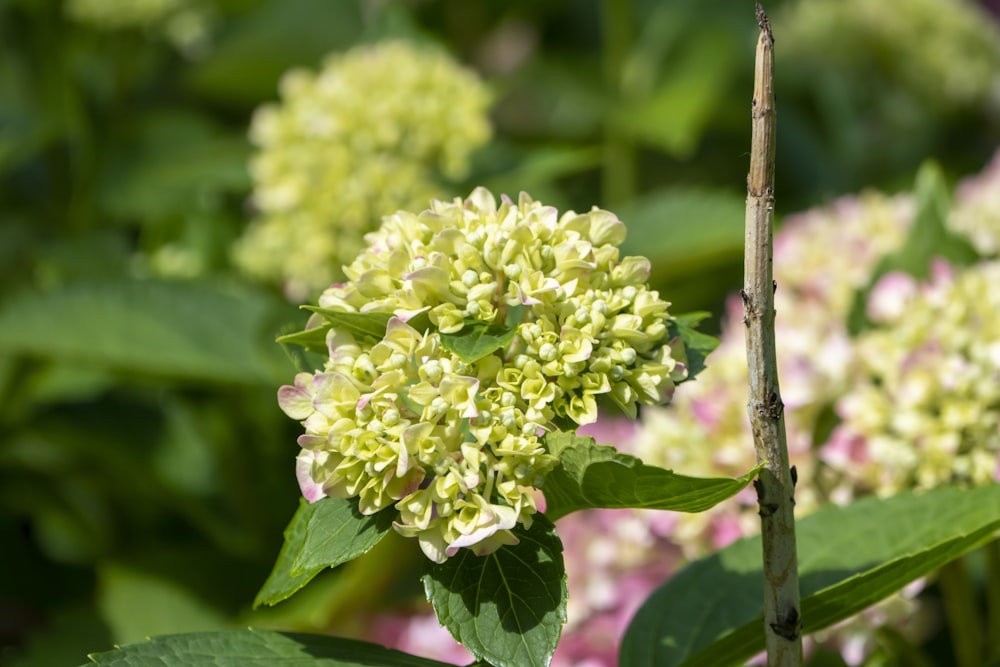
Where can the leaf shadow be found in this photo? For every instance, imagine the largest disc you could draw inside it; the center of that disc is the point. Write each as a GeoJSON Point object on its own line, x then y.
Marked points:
{"type": "Point", "coordinates": [518, 586]}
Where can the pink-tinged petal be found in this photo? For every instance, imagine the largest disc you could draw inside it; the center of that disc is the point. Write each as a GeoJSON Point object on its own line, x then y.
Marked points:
{"type": "Point", "coordinates": [413, 481]}
{"type": "Point", "coordinates": [420, 635]}
{"type": "Point", "coordinates": [305, 463]}
{"type": "Point", "coordinates": [942, 272]}
{"type": "Point", "coordinates": [296, 401]}
{"type": "Point", "coordinates": [890, 296]}
{"type": "Point", "coordinates": [845, 448]}
{"type": "Point", "coordinates": [708, 412]}
{"type": "Point", "coordinates": [407, 315]}
{"type": "Point", "coordinates": [610, 429]}
{"type": "Point", "coordinates": [725, 530]}
{"type": "Point", "coordinates": [365, 399]}
{"type": "Point", "coordinates": [524, 298]}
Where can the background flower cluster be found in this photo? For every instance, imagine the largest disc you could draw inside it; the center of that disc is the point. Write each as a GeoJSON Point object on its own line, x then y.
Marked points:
{"type": "Point", "coordinates": [914, 399]}
{"type": "Point", "coordinates": [374, 130]}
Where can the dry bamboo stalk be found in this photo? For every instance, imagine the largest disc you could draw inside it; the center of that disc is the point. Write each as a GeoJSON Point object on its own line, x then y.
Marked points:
{"type": "Point", "coordinates": [775, 486]}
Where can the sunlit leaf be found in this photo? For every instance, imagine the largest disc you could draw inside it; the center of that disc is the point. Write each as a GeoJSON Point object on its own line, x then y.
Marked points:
{"type": "Point", "coordinates": [323, 534]}
{"type": "Point", "coordinates": [195, 331]}
{"type": "Point", "coordinates": [711, 612]}
{"type": "Point", "coordinates": [507, 608]}
{"type": "Point", "coordinates": [591, 475]}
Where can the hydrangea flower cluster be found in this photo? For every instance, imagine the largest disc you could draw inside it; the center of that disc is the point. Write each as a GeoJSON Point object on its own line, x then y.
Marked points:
{"type": "Point", "coordinates": [185, 23]}
{"type": "Point", "coordinates": [925, 406]}
{"type": "Point", "coordinates": [375, 130]}
{"type": "Point", "coordinates": [976, 213]}
{"type": "Point", "coordinates": [453, 438]}
{"type": "Point", "coordinates": [910, 45]}
{"type": "Point", "coordinates": [813, 299]}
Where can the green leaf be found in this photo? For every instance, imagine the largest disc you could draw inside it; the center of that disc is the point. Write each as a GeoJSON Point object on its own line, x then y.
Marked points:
{"type": "Point", "coordinates": [591, 475]}
{"type": "Point", "coordinates": [533, 169]}
{"type": "Point", "coordinates": [195, 331]}
{"type": "Point", "coordinates": [675, 115]}
{"type": "Point", "coordinates": [363, 326]}
{"type": "Point", "coordinates": [138, 604]}
{"type": "Point", "coordinates": [507, 608]}
{"type": "Point", "coordinates": [711, 612]}
{"type": "Point", "coordinates": [478, 339]}
{"type": "Point", "coordinates": [683, 230]}
{"type": "Point", "coordinates": [251, 54]}
{"type": "Point", "coordinates": [697, 345]}
{"type": "Point", "coordinates": [168, 161]}
{"type": "Point", "coordinates": [69, 632]}
{"type": "Point", "coordinates": [252, 647]}
{"type": "Point", "coordinates": [323, 534]}
{"type": "Point", "coordinates": [929, 238]}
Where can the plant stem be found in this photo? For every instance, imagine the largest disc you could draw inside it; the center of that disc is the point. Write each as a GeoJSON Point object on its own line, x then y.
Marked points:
{"type": "Point", "coordinates": [618, 177]}
{"type": "Point", "coordinates": [992, 553]}
{"type": "Point", "coordinates": [959, 598]}
{"type": "Point", "coordinates": [775, 489]}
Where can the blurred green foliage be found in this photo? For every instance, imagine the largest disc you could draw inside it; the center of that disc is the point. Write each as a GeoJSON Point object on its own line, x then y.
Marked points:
{"type": "Point", "coordinates": [146, 473]}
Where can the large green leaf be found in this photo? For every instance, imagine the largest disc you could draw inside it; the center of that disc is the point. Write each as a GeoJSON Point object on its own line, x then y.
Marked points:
{"type": "Point", "coordinates": [674, 116]}
{"type": "Point", "coordinates": [171, 162]}
{"type": "Point", "coordinates": [711, 612]}
{"type": "Point", "coordinates": [929, 238]}
{"type": "Point", "coordinates": [137, 604]}
{"type": "Point", "coordinates": [478, 339]}
{"type": "Point", "coordinates": [256, 648]}
{"type": "Point", "coordinates": [507, 608]}
{"type": "Point", "coordinates": [194, 331]}
{"type": "Point", "coordinates": [247, 61]}
{"type": "Point", "coordinates": [684, 230]}
{"type": "Point", "coordinates": [591, 475]}
{"type": "Point", "coordinates": [323, 534]}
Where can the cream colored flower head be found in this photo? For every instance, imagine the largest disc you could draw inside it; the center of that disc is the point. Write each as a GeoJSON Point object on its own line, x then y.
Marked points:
{"type": "Point", "coordinates": [376, 129]}
{"type": "Point", "coordinates": [503, 322]}
{"type": "Point", "coordinates": [924, 409]}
